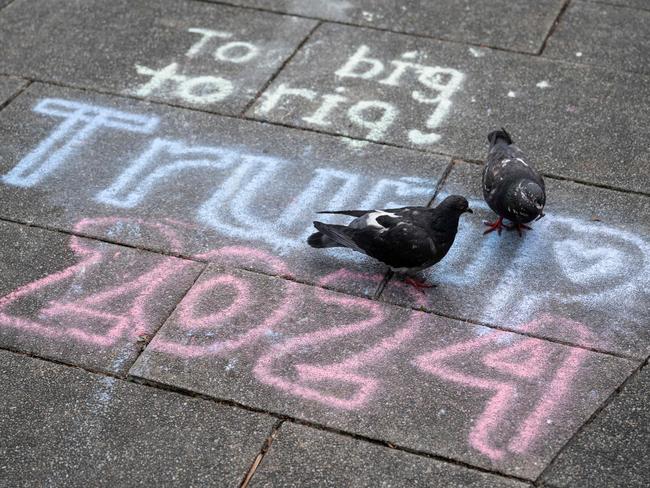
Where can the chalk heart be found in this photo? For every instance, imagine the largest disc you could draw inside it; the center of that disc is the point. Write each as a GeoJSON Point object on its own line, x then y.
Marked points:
{"type": "Point", "coordinates": [585, 265]}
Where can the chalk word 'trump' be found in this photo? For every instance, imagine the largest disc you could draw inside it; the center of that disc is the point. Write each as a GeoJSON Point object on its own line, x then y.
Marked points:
{"type": "Point", "coordinates": [240, 176]}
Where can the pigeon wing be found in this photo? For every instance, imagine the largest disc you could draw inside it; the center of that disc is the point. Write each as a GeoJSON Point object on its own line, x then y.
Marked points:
{"type": "Point", "coordinates": [404, 245]}
{"type": "Point", "coordinates": [403, 212]}
{"type": "Point", "coordinates": [506, 164]}
{"type": "Point", "coordinates": [493, 168]}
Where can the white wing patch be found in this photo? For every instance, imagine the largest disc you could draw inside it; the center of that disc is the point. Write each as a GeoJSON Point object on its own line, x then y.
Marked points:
{"type": "Point", "coordinates": [522, 162]}
{"type": "Point", "coordinates": [370, 220]}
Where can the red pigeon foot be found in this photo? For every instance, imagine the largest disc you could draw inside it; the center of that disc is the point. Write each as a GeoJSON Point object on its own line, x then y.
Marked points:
{"type": "Point", "coordinates": [496, 225]}
{"type": "Point", "coordinates": [418, 285]}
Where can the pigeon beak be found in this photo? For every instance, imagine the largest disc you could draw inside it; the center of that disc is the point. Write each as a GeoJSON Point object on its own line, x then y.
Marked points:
{"type": "Point", "coordinates": [540, 216]}
{"type": "Point", "coordinates": [469, 210]}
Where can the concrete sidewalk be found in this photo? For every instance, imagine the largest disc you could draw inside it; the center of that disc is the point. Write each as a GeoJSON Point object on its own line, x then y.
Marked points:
{"type": "Point", "coordinates": [163, 322]}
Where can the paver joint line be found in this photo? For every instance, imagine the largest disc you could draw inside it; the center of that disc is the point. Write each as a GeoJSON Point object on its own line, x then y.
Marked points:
{"type": "Point", "coordinates": [592, 418]}
{"type": "Point", "coordinates": [6, 102]}
{"type": "Point", "coordinates": [274, 75]}
{"type": "Point", "coordinates": [260, 456]}
{"type": "Point", "coordinates": [366, 26]}
{"type": "Point", "coordinates": [409, 450]}
{"type": "Point", "coordinates": [151, 336]}
{"type": "Point", "coordinates": [60, 362]}
{"type": "Point", "coordinates": [557, 20]}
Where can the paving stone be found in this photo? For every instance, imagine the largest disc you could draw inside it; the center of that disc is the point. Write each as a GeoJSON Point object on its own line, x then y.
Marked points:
{"type": "Point", "coordinates": [192, 54]}
{"type": "Point", "coordinates": [585, 266]}
{"type": "Point", "coordinates": [64, 427]}
{"type": "Point", "coordinates": [581, 123]}
{"type": "Point", "coordinates": [485, 22]}
{"type": "Point", "coordinates": [9, 86]}
{"type": "Point", "coordinates": [302, 456]}
{"type": "Point", "coordinates": [613, 449]}
{"type": "Point", "coordinates": [195, 184]}
{"type": "Point", "coordinates": [84, 302]}
{"type": "Point", "coordinates": [413, 379]}
{"type": "Point", "coordinates": [603, 35]}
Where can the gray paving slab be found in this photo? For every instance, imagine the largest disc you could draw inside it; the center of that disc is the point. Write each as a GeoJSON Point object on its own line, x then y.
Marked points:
{"type": "Point", "coordinates": [65, 427]}
{"type": "Point", "coordinates": [193, 54]}
{"type": "Point", "coordinates": [84, 302]}
{"type": "Point", "coordinates": [485, 22]}
{"type": "Point", "coordinates": [579, 122]}
{"type": "Point", "coordinates": [580, 276]}
{"type": "Point", "coordinates": [493, 399]}
{"type": "Point", "coordinates": [613, 449]}
{"type": "Point", "coordinates": [216, 188]}
{"type": "Point", "coordinates": [4, 3]}
{"type": "Point", "coordinates": [9, 86]}
{"type": "Point", "coordinates": [302, 456]}
{"type": "Point", "coordinates": [604, 35]}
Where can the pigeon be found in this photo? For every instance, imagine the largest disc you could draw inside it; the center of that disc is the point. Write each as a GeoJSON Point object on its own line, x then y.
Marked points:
{"type": "Point", "coordinates": [511, 187]}
{"type": "Point", "coordinates": [407, 239]}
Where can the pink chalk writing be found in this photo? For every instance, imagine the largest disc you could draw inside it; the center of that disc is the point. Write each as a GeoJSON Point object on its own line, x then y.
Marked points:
{"type": "Point", "coordinates": [510, 366]}
{"type": "Point", "coordinates": [522, 361]}
{"type": "Point", "coordinates": [243, 301]}
{"type": "Point", "coordinates": [345, 371]}
{"type": "Point", "coordinates": [117, 310]}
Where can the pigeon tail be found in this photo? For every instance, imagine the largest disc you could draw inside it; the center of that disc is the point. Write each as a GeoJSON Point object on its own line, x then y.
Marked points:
{"type": "Point", "coordinates": [499, 135]}
{"type": "Point", "coordinates": [351, 213]}
{"type": "Point", "coordinates": [320, 240]}
{"type": "Point", "coordinates": [340, 234]}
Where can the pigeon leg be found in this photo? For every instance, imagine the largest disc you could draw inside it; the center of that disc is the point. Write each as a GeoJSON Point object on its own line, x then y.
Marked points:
{"type": "Point", "coordinates": [518, 228]}
{"type": "Point", "coordinates": [496, 225]}
{"type": "Point", "coordinates": [417, 284]}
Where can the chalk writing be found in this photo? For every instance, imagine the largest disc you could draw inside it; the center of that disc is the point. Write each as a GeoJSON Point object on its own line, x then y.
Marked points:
{"type": "Point", "coordinates": [509, 367]}
{"type": "Point", "coordinates": [601, 268]}
{"type": "Point", "coordinates": [198, 89]}
{"type": "Point", "coordinates": [361, 386]}
{"type": "Point", "coordinates": [435, 86]}
{"type": "Point", "coordinates": [240, 176]}
{"type": "Point", "coordinates": [81, 121]}
{"type": "Point", "coordinates": [103, 316]}
{"type": "Point", "coordinates": [233, 208]}
{"type": "Point", "coordinates": [521, 361]}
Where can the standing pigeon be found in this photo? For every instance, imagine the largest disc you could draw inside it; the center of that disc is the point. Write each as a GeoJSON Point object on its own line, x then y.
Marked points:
{"type": "Point", "coordinates": [407, 239]}
{"type": "Point", "coordinates": [511, 187]}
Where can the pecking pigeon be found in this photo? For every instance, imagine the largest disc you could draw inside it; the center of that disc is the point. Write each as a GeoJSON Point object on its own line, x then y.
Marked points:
{"type": "Point", "coordinates": [407, 239]}
{"type": "Point", "coordinates": [511, 187]}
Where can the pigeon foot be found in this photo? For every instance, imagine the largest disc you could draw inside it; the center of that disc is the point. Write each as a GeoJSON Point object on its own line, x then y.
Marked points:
{"type": "Point", "coordinates": [417, 284]}
{"type": "Point", "coordinates": [496, 225]}
{"type": "Point", "coordinates": [518, 228]}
